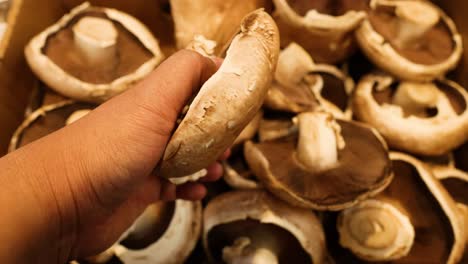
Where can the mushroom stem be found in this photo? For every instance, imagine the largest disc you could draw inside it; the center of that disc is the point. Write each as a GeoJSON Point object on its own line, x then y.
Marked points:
{"type": "Point", "coordinates": [415, 98]}
{"type": "Point", "coordinates": [319, 141]}
{"type": "Point", "coordinates": [96, 38]}
{"type": "Point", "coordinates": [75, 116]}
{"type": "Point", "coordinates": [376, 230]}
{"type": "Point", "coordinates": [294, 63]}
{"type": "Point", "coordinates": [416, 18]}
{"type": "Point", "coordinates": [242, 252]}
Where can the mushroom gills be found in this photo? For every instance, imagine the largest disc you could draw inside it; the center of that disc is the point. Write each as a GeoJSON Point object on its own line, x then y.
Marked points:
{"type": "Point", "coordinates": [245, 239]}
{"type": "Point", "coordinates": [409, 27]}
{"type": "Point", "coordinates": [113, 53]}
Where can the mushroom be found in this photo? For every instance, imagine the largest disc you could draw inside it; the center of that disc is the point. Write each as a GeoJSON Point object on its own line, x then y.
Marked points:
{"type": "Point", "coordinates": [302, 85]}
{"type": "Point", "coordinates": [250, 130]}
{"type": "Point", "coordinates": [93, 53]}
{"type": "Point", "coordinates": [227, 102]}
{"type": "Point", "coordinates": [324, 28]}
{"type": "Point", "coordinates": [253, 227]}
{"type": "Point", "coordinates": [213, 19]}
{"type": "Point", "coordinates": [165, 233]}
{"type": "Point", "coordinates": [320, 166]}
{"type": "Point", "coordinates": [414, 40]}
{"type": "Point", "coordinates": [422, 118]}
{"type": "Point", "coordinates": [237, 173]}
{"type": "Point", "coordinates": [47, 120]}
{"type": "Point", "coordinates": [456, 183]}
{"type": "Point", "coordinates": [413, 221]}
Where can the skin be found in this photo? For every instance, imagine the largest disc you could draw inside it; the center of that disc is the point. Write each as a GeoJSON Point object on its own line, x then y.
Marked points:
{"type": "Point", "coordinates": [71, 194]}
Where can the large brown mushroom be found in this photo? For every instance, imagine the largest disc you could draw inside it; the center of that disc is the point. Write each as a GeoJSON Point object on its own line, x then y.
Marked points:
{"type": "Point", "coordinates": [93, 53]}
{"type": "Point", "coordinates": [301, 85]}
{"type": "Point", "coordinates": [227, 102]}
{"type": "Point", "coordinates": [412, 39]}
{"type": "Point", "coordinates": [47, 120]}
{"type": "Point", "coordinates": [323, 27]}
{"type": "Point", "coordinates": [166, 233]}
{"type": "Point", "coordinates": [253, 227]}
{"type": "Point", "coordinates": [413, 221]}
{"type": "Point", "coordinates": [321, 166]}
{"type": "Point", "coordinates": [422, 118]}
{"type": "Point", "coordinates": [213, 19]}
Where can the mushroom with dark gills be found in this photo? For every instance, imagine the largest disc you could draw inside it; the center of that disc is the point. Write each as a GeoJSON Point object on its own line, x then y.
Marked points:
{"type": "Point", "coordinates": [227, 102]}
{"type": "Point", "coordinates": [421, 118]}
{"type": "Point", "coordinates": [47, 120]}
{"type": "Point", "coordinates": [412, 39]}
{"type": "Point", "coordinates": [323, 27]}
{"type": "Point", "coordinates": [321, 165]}
{"type": "Point", "coordinates": [93, 53]}
{"type": "Point", "coordinates": [254, 227]}
{"type": "Point", "coordinates": [413, 221]}
{"type": "Point", "coordinates": [302, 85]}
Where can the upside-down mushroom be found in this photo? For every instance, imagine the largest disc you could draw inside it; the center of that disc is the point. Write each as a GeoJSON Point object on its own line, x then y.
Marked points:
{"type": "Point", "coordinates": [93, 53]}
{"type": "Point", "coordinates": [320, 166]}
{"type": "Point", "coordinates": [47, 120]}
{"type": "Point", "coordinates": [227, 102]}
{"type": "Point", "coordinates": [323, 27]}
{"type": "Point", "coordinates": [253, 227]}
{"type": "Point", "coordinates": [413, 221]}
{"type": "Point", "coordinates": [412, 39]}
{"type": "Point", "coordinates": [213, 19]}
{"type": "Point", "coordinates": [301, 85]}
{"type": "Point", "coordinates": [165, 233]}
{"type": "Point", "coordinates": [422, 118]}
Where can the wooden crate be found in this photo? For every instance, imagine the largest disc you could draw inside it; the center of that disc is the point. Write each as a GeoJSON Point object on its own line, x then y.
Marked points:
{"type": "Point", "coordinates": [29, 17]}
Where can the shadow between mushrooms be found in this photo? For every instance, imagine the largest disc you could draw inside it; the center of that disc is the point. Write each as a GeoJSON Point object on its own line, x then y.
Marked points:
{"type": "Point", "coordinates": [323, 27]}
{"type": "Point", "coordinates": [321, 166]}
{"type": "Point", "coordinates": [412, 39]}
{"type": "Point", "coordinates": [93, 53]}
{"type": "Point", "coordinates": [253, 227]}
{"type": "Point", "coordinates": [422, 118]}
{"type": "Point", "coordinates": [46, 120]}
{"type": "Point", "coordinates": [413, 221]}
{"type": "Point", "coordinates": [301, 85]}
{"type": "Point", "coordinates": [227, 102]}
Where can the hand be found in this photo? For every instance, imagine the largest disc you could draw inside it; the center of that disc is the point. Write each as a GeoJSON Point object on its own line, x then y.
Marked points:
{"type": "Point", "coordinates": [85, 184]}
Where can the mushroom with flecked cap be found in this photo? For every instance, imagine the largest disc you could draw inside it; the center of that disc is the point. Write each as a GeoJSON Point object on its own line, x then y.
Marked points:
{"type": "Point", "coordinates": [227, 102]}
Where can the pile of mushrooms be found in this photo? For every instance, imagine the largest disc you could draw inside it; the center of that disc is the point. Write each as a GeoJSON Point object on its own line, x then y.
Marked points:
{"type": "Point", "coordinates": [327, 166]}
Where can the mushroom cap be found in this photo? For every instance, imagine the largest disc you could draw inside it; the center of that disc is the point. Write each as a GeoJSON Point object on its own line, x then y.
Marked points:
{"type": "Point", "coordinates": [302, 85]}
{"type": "Point", "coordinates": [67, 84]}
{"type": "Point", "coordinates": [173, 239]}
{"type": "Point", "coordinates": [228, 101]}
{"type": "Point", "coordinates": [379, 47]}
{"type": "Point", "coordinates": [429, 136]}
{"type": "Point", "coordinates": [213, 19]}
{"type": "Point", "coordinates": [326, 37]}
{"type": "Point", "coordinates": [265, 210]}
{"type": "Point", "coordinates": [439, 233]}
{"type": "Point", "coordinates": [275, 164]}
{"type": "Point", "coordinates": [409, 170]}
{"type": "Point", "coordinates": [45, 121]}
{"type": "Point", "coordinates": [376, 230]}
